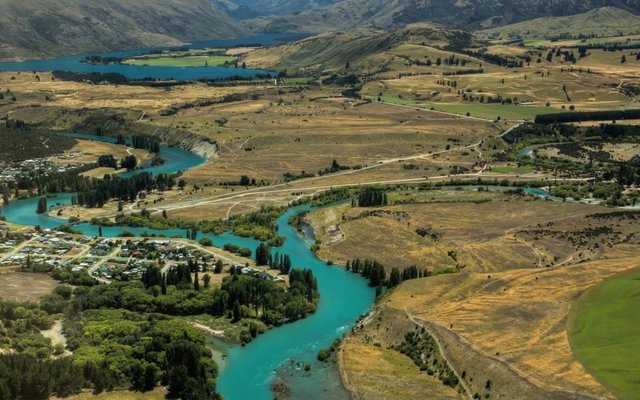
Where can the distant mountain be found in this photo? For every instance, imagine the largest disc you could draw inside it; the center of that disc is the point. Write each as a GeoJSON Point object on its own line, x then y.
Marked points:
{"type": "Point", "coordinates": [606, 21]}
{"type": "Point", "coordinates": [245, 9]}
{"type": "Point", "coordinates": [44, 28]}
{"type": "Point", "coordinates": [462, 14]}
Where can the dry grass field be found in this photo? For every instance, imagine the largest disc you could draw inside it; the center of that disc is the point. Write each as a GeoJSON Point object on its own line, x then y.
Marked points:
{"type": "Point", "coordinates": [617, 151]}
{"type": "Point", "coordinates": [29, 90]}
{"type": "Point", "coordinates": [19, 286]}
{"type": "Point", "coordinates": [508, 327]}
{"type": "Point", "coordinates": [266, 140]}
{"type": "Point", "coordinates": [87, 151]}
{"type": "Point", "coordinates": [488, 231]}
{"type": "Point", "coordinates": [523, 315]}
{"type": "Point", "coordinates": [377, 373]}
{"type": "Point", "coordinates": [504, 317]}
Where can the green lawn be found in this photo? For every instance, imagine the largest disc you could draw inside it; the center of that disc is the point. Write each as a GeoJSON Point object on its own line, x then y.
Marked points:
{"type": "Point", "coordinates": [190, 61]}
{"type": "Point", "coordinates": [512, 170]}
{"type": "Point", "coordinates": [604, 332]}
{"type": "Point", "coordinates": [481, 110]}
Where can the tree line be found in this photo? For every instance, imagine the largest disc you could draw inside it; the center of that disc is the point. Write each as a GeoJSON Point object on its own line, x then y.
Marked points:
{"type": "Point", "coordinates": [281, 262]}
{"type": "Point", "coordinates": [564, 117]}
{"type": "Point", "coordinates": [94, 193]}
{"type": "Point", "coordinates": [370, 198]}
{"type": "Point", "coordinates": [377, 276]}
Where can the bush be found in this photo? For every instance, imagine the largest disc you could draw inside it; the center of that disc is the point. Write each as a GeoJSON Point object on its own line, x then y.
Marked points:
{"type": "Point", "coordinates": [324, 354]}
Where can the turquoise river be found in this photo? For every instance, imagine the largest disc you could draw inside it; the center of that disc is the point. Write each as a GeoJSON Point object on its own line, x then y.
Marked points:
{"type": "Point", "coordinates": [249, 371]}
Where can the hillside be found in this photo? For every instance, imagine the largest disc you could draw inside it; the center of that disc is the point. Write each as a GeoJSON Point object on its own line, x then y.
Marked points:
{"type": "Point", "coordinates": [373, 51]}
{"type": "Point", "coordinates": [244, 9]}
{"type": "Point", "coordinates": [606, 21]}
{"type": "Point", "coordinates": [35, 28]}
{"type": "Point", "coordinates": [18, 145]}
{"type": "Point", "coordinates": [472, 14]}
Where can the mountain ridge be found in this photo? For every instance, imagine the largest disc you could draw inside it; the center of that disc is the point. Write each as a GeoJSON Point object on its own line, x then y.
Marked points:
{"type": "Point", "coordinates": [246, 9]}
{"type": "Point", "coordinates": [392, 14]}
{"type": "Point", "coordinates": [600, 21]}
{"type": "Point", "coordinates": [37, 29]}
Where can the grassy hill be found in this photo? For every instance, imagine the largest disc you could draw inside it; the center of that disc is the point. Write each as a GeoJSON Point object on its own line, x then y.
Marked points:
{"type": "Point", "coordinates": [451, 13]}
{"type": "Point", "coordinates": [605, 21]}
{"type": "Point", "coordinates": [364, 50]}
{"type": "Point", "coordinates": [36, 28]}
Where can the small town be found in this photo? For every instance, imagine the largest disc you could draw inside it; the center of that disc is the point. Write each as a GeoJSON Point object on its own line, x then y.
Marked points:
{"type": "Point", "coordinates": [108, 260]}
{"type": "Point", "coordinates": [10, 173]}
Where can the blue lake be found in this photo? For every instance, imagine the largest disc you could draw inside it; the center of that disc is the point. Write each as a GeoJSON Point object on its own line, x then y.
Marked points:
{"type": "Point", "coordinates": [73, 64]}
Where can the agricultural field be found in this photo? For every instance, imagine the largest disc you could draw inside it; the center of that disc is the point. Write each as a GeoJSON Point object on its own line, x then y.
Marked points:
{"type": "Point", "coordinates": [531, 87]}
{"type": "Point", "coordinates": [608, 353]}
{"type": "Point", "coordinates": [627, 40]}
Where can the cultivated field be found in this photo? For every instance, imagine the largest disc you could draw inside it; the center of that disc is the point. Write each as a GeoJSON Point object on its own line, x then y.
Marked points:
{"type": "Point", "coordinates": [532, 87]}
{"type": "Point", "coordinates": [605, 352]}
